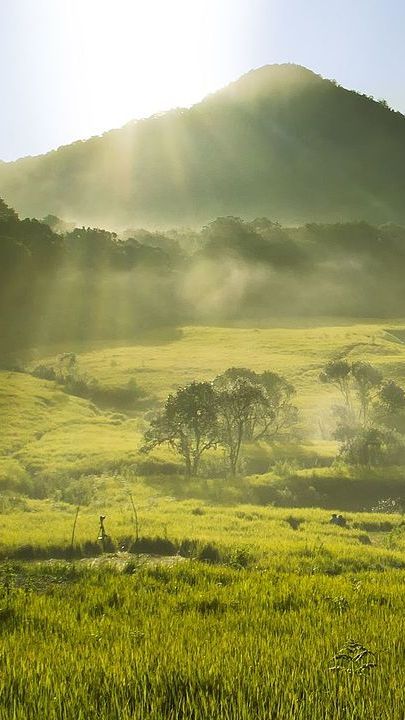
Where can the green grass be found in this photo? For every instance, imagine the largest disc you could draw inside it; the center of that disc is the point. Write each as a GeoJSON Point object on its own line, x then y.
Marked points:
{"type": "Point", "coordinates": [264, 531]}
{"type": "Point", "coordinates": [251, 637]}
{"type": "Point", "coordinates": [46, 432]}
{"type": "Point", "coordinates": [194, 640]}
{"type": "Point", "coordinates": [197, 642]}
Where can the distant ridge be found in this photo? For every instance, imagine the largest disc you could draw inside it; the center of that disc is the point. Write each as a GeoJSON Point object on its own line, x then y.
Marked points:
{"type": "Point", "coordinates": [281, 142]}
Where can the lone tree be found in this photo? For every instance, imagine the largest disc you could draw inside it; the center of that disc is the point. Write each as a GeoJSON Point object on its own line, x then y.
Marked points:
{"type": "Point", "coordinates": [188, 424]}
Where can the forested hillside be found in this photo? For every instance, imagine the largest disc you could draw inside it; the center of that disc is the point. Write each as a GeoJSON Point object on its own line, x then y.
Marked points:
{"type": "Point", "coordinates": [280, 142]}
{"type": "Point", "coordinates": [86, 284]}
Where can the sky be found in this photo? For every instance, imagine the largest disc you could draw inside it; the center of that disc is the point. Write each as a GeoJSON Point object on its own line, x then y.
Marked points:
{"type": "Point", "coordinates": [76, 68]}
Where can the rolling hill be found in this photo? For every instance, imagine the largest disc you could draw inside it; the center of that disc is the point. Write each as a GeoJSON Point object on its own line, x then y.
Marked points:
{"type": "Point", "coordinates": [281, 141]}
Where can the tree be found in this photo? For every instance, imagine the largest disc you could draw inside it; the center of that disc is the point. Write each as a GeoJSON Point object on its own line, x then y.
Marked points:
{"type": "Point", "coordinates": [252, 407]}
{"type": "Point", "coordinates": [188, 424]}
{"type": "Point", "coordinates": [279, 412]}
{"type": "Point", "coordinates": [337, 372]}
{"type": "Point", "coordinates": [240, 405]}
{"type": "Point", "coordinates": [372, 414]}
{"type": "Point", "coordinates": [238, 401]}
{"type": "Point", "coordinates": [392, 396]}
{"type": "Point", "coordinates": [358, 384]}
{"type": "Point", "coordinates": [367, 380]}
{"type": "Point", "coordinates": [7, 213]}
{"type": "Point", "coordinates": [389, 410]}
{"type": "Point", "coordinates": [371, 446]}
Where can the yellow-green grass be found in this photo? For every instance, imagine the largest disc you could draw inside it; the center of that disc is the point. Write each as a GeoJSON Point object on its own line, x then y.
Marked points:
{"type": "Point", "coordinates": [298, 353]}
{"type": "Point", "coordinates": [264, 532]}
{"type": "Point", "coordinates": [199, 643]}
{"type": "Point", "coordinates": [194, 642]}
{"type": "Point", "coordinates": [202, 353]}
{"type": "Point", "coordinates": [46, 430]}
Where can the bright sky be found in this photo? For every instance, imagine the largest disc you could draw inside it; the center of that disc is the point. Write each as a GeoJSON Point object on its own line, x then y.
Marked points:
{"type": "Point", "coordinates": [75, 68]}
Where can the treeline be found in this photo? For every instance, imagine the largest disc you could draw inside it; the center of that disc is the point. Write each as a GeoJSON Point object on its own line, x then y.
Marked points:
{"type": "Point", "coordinates": [78, 284]}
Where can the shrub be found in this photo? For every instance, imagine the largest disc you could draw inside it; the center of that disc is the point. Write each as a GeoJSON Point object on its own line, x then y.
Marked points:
{"type": "Point", "coordinates": [154, 546]}
{"type": "Point", "coordinates": [293, 522]}
{"type": "Point", "coordinates": [241, 558]}
{"type": "Point", "coordinates": [209, 553]}
{"type": "Point", "coordinates": [188, 548]}
{"type": "Point", "coordinates": [44, 372]}
{"type": "Point", "coordinates": [198, 511]}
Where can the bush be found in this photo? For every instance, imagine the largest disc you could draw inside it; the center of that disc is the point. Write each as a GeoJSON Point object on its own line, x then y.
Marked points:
{"type": "Point", "coordinates": [154, 546]}
{"type": "Point", "coordinates": [294, 522]}
{"type": "Point", "coordinates": [44, 372]}
{"type": "Point", "coordinates": [209, 553]}
{"type": "Point", "coordinates": [11, 503]}
{"type": "Point", "coordinates": [66, 373]}
{"type": "Point", "coordinates": [14, 479]}
{"type": "Point", "coordinates": [241, 558]}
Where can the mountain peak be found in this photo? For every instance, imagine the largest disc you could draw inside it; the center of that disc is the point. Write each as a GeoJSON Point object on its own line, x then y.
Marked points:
{"type": "Point", "coordinates": [281, 141]}
{"type": "Point", "coordinates": [269, 79]}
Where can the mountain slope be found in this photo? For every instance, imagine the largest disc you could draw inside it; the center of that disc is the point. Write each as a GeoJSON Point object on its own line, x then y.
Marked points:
{"type": "Point", "coordinates": [281, 141]}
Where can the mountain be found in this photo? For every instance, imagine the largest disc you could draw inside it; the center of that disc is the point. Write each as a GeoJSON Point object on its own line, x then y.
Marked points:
{"type": "Point", "coordinates": [281, 141]}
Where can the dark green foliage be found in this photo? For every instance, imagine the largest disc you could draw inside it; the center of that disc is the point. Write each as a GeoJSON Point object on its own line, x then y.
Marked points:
{"type": "Point", "coordinates": [344, 489]}
{"type": "Point", "coordinates": [293, 522]}
{"type": "Point", "coordinates": [154, 546]}
{"type": "Point", "coordinates": [209, 553]}
{"type": "Point", "coordinates": [372, 446]}
{"type": "Point", "coordinates": [371, 418]}
{"type": "Point", "coordinates": [188, 548]}
{"type": "Point", "coordinates": [239, 406]}
{"type": "Point", "coordinates": [187, 423]}
{"type": "Point", "coordinates": [67, 373]}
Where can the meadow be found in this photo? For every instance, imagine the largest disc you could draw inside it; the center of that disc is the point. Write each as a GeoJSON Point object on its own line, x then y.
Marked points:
{"type": "Point", "coordinates": [245, 620]}
{"type": "Point", "coordinates": [46, 431]}
{"type": "Point", "coordinates": [208, 604]}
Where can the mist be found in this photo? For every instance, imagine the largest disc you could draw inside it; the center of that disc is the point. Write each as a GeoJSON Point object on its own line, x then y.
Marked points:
{"type": "Point", "coordinates": [86, 284]}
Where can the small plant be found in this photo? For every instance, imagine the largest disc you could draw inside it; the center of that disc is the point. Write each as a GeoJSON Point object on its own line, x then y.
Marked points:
{"type": "Point", "coordinates": [294, 522]}
{"type": "Point", "coordinates": [354, 659]}
{"type": "Point", "coordinates": [198, 511]}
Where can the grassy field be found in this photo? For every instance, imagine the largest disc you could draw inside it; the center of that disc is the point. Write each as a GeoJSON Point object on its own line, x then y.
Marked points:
{"type": "Point", "coordinates": [253, 633]}
{"type": "Point", "coordinates": [296, 352]}
{"type": "Point", "coordinates": [223, 609]}
{"type": "Point", "coordinates": [202, 642]}
{"type": "Point", "coordinates": [46, 431]}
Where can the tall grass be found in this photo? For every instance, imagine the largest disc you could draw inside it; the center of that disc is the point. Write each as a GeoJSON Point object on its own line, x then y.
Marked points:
{"type": "Point", "coordinates": [195, 641]}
